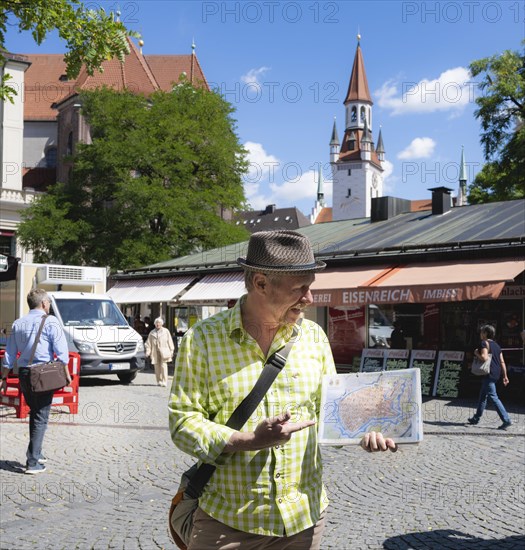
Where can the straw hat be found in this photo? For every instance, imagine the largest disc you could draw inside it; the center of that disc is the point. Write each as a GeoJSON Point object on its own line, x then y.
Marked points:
{"type": "Point", "coordinates": [280, 251]}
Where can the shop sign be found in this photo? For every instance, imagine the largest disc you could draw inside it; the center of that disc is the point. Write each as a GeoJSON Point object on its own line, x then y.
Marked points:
{"type": "Point", "coordinates": [416, 294]}
{"type": "Point", "coordinates": [512, 292]}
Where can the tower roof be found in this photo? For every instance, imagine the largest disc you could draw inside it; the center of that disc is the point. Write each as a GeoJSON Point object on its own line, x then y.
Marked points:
{"type": "Point", "coordinates": [380, 147]}
{"type": "Point", "coordinates": [463, 167]}
{"type": "Point", "coordinates": [358, 87]}
{"type": "Point", "coordinates": [335, 137]}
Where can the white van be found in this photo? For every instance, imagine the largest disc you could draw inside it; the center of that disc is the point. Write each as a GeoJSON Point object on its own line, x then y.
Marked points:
{"type": "Point", "coordinates": [96, 329]}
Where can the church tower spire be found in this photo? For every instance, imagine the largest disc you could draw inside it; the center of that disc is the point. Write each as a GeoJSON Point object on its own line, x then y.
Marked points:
{"type": "Point", "coordinates": [357, 171]}
{"type": "Point", "coordinates": [462, 192]}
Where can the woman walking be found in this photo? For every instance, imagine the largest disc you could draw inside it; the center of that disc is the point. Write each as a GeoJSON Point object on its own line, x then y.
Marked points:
{"type": "Point", "coordinates": [159, 347]}
{"type": "Point", "coordinates": [488, 385]}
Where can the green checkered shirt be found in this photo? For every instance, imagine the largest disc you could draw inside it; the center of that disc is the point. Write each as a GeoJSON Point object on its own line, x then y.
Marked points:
{"type": "Point", "coordinates": [277, 491]}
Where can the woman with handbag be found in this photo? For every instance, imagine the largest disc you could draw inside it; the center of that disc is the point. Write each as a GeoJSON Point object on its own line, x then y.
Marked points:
{"type": "Point", "coordinates": [488, 385]}
{"type": "Point", "coordinates": [159, 347]}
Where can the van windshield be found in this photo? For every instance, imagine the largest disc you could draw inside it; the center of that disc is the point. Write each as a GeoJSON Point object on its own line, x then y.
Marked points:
{"type": "Point", "coordinates": [89, 312]}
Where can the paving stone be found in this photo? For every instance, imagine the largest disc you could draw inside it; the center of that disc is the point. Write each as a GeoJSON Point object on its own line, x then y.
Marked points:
{"type": "Point", "coordinates": [112, 470]}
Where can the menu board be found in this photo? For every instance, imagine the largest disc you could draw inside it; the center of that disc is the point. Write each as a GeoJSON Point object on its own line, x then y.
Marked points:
{"type": "Point", "coordinates": [425, 361]}
{"type": "Point", "coordinates": [448, 373]}
{"type": "Point", "coordinates": [373, 360]}
{"type": "Point", "coordinates": [396, 359]}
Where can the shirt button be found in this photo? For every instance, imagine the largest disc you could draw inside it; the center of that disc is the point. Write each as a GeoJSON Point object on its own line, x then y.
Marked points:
{"type": "Point", "coordinates": [280, 500]}
{"type": "Point", "coordinates": [278, 474]}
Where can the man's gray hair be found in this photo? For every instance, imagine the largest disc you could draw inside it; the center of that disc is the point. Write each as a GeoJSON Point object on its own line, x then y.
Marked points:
{"type": "Point", "coordinates": [273, 278]}
{"type": "Point", "coordinates": [36, 297]}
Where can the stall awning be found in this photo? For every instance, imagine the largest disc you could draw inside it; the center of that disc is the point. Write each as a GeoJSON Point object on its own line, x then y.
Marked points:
{"type": "Point", "coordinates": [331, 284]}
{"type": "Point", "coordinates": [141, 291]}
{"type": "Point", "coordinates": [216, 289]}
{"type": "Point", "coordinates": [417, 283]}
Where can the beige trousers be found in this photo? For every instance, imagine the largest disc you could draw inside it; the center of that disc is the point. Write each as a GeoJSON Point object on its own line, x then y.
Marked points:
{"type": "Point", "coordinates": [161, 373]}
{"type": "Point", "coordinates": [209, 533]}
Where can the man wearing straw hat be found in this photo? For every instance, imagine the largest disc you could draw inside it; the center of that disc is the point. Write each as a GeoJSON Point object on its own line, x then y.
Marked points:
{"type": "Point", "coordinates": [267, 489]}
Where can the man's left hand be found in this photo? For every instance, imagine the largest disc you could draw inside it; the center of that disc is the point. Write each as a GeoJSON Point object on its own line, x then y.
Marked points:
{"type": "Point", "coordinates": [374, 441]}
{"type": "Point", "coordinates": [3, 386]}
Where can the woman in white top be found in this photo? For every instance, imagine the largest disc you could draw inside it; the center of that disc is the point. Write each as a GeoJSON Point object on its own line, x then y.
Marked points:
{"type": "Point", "coordinates": [159, 346]}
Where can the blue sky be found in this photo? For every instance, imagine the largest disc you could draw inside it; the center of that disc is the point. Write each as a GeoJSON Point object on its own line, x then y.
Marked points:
{"type": "Point", "coordinates": [285, 66]}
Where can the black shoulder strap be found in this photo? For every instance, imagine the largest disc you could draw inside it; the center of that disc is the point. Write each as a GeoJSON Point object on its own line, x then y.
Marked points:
{"type": "Point", "coordinates": [37, 339]}
{"type": "Point", "coordinates": [244, 410]}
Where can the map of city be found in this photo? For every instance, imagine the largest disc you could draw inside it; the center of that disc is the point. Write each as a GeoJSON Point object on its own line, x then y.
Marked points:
{"type": "Point", "coordinates": [388, 402]}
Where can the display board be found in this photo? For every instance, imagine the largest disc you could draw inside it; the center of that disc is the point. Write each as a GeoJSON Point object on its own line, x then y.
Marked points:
{"type": "Point", "coordinates": [425, 361]}
{"type": "Point", "coordinates": [373, 360]}
{"type": "Point", "coordinates": [448, 373]}
{"type": "Point", "coordinates": [396, 359]}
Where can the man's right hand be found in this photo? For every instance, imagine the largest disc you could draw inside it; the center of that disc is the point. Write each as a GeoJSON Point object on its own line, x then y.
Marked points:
{"type": "Point", "coordinates": [269, 433]}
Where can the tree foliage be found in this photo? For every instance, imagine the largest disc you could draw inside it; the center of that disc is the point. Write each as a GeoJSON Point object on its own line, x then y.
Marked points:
{"type": "Point", "coordinates": [91, 36]}
{"type": "Point", "coordinates": [149, 187]}
{"type": "Point", "coordinates": [501, 110]}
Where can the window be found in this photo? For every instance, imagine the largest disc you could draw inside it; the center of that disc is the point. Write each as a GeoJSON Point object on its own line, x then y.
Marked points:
{"type": "Point", "coordinates": [349, 171]}
{"type": "Point", "coordinates": [363, 114]}
{"type": "Point", "coordinates": [349, 193]}
{"type": "Point", "coordinates": [7, 245]}
{"type": "Point", "coordinates": [51, 157]}
{"type": "Point", "coordinates": [354, 114]}
{"type": "Point", "coordinates": [69, 149]}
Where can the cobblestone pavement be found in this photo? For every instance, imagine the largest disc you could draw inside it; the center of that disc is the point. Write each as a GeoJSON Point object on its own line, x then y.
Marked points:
{"type": "Point", "coordinates": [112, 470]}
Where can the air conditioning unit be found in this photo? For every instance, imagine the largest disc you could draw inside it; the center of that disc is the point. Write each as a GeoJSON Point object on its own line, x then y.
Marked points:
{"type": "Point", "coordinates": [70, 275]}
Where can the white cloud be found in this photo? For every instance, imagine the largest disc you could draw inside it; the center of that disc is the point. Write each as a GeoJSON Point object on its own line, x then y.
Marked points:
{"type": "Point", "coordinates": [252, 76]}
{"type": "Point", "coordinates": [270, 181]}
{"type": "Point", "coordinates": [389, 179]}
{"type": "Point", "coordinates": [451, 91]}
{"type": "Point", "coordinates": [299, 187]}
{"type": "Point", "coordinates": [419, 148]}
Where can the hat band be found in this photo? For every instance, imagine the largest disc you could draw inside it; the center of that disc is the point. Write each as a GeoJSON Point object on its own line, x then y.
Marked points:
{"type": "Point", "coordinates": [294, 267]}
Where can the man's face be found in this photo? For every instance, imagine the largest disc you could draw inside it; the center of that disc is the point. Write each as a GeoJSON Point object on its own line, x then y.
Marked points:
{"type": "Point", "coordinates": [289, 296]}
{"type": "Point", "coordinates": [46, 304]}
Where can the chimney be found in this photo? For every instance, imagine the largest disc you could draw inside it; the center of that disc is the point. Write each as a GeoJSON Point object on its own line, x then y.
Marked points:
{"type": "Point", "coordinates": [384, 208]}
{"type": "Point", "coordinates": [441, 200]}
{"type": "Point", "coordinates": [270, 209]}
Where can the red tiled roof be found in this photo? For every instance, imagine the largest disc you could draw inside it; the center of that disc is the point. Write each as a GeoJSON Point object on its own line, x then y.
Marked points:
{"type": "Point", "coordinates": [140, 74]}
{"type": "Point", "coordinates": [420, 205]}
{"type": "Point", "coordinates": [134, 74]}
{"type": "Point", "coordinates": [355, 154]}
{"type": "Point", "coordinates": [324, 216]}
{"type": "Point", "coordinates": [39, 178]}
{"type": "Point", "coordinates": [43, 86]}
{"type": "Point", "coordinates": [168, 68]}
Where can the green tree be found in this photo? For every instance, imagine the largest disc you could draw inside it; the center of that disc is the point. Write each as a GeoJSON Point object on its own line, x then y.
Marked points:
{"type": "Point", "coordinates": [91, 36]}
{"type": "Point", "coordinates": [149, 187]}
{"type": "Point", "coordinates": [501, 110]}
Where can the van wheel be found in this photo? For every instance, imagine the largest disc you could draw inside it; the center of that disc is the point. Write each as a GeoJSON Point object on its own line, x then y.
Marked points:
{"type": "Point", "coordinates": [127, 377]}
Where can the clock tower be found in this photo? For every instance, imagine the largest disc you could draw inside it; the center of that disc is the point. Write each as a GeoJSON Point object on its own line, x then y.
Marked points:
{"type": "Point", "coordinates": [357, 165]}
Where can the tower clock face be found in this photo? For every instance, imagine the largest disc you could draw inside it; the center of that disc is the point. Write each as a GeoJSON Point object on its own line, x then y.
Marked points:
{"type": "Point", "coordinates": [375, 181]}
